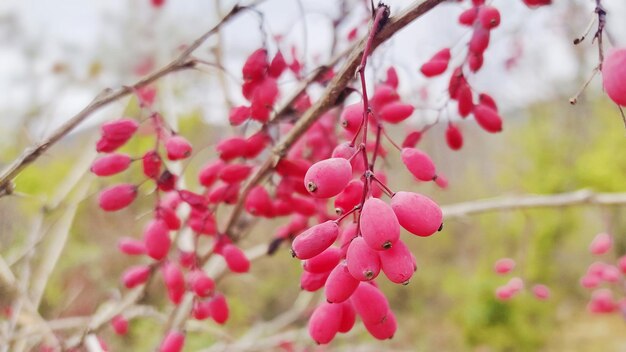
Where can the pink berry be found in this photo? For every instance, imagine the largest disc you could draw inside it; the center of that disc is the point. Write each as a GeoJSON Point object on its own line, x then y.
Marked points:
{"type": "Point", "coordinates": [117, 197]}
{"type": "Point", "coordinates": [363, 262]}
{"type": "Point", "coordinates": [419, 164]}
{"type": "Point", "coordinates": [156, 239]}
{"type": "Point", "coordinates": [379, 226]}
{"type": "Point", "coordinates": [256, 65]}
{"type": "Point", "coordinates": [340, 284]}
{"type": "Point", "coordinates": [504, 293]}
{"type": "Point", "coordinates": [151, 163]}
{"type": "Point", "coordinates": [351, 117]}
{"type": "Point", "coordinates": [486, 100]}
{"type": "Point", "coordinates": [541, 292]}
{"type": "Point", "coordinates": [398, 263]}
{"type": "Point", "coordinates": [110, 164]}
{"type": "Point", "coordinates": [219, 308]}
{"type": "Point", "coordinates": [135, 275]}
{"type": "Point", "coordinates": [278, 65]}
{"type": "Point", "coordinates": [465, 100]}
{"type": "Point", "coordinates": [131, 246]}
{"type": "Point", "coordinates": [487, 118]}
{"type": "Point", "coordinates": [236, 259]}
{"type": "Point", "coordinates": [456, 81]}
{"type": "Point", "coordinates": [210, 172]}
{"type": "Point", "coordinates": [610, 274]}
{"type": "Point", "coordinates": [411, 139]}
{"type": "Point", "coordinates": [437, 65]}
{"type": "Point", "coordinates": [119, 324]}
{"type": "Point", "coordinates": [475, 61]}
{"type": "Point", "coordinates": [344, 150]}
{"type": "Point", "coordinates": [327, 178]}
{"type": "Point", "coordinates": [201, 310]}
{"type": "Point", "coordinates": [323, 262]}
{"type": "Point", "coordinates": [504, 266]}
{"type": "Point", "coordinates": [259, 203]}
{"type": "Point", "coordinates": [454, 138]}
{"type": "Point", "coordinates": [255, 144]}
{"type": "Point", "coordinates": [315, 240]}
{"type": "Point", "coordinates": [536, 3]}
{"type": "Point", "coordinates": [174, 282]}
{"type": "Point", "coordinates": [349, 197]}
{"type": "Point", "coordinates": [479, 41]}
{"type": "Point", "coordinates": [489, 17]}
{"type": "Point", "coordinates": [468, 16]}
{"type": "Point", "coordinates": [384, 329]}
{"type": "Point", "coordinates": [231, 148]}
{"type": "Point", "coordinates": [392, 78]}
{"type": "Point", "coordinates": [177, 148]}
{"type": "Point", "coordinates": [383, 95]}
{"type": "Point", "coordinates": [173, 342]}
{"type": "Point", "coordinates": [201, 284]}
{"type": "Point", "coordinates": [312, 282]}
{"type": "Point", "coordinates": [601, 244]}
{"type": "Point", "coordinates": [516, 284]}
{"type": "Point", "coordinates": [324, 323]}
{"type": "Point", "coordinates": [169, 216]}
{"type": "Point", "coordinates": [602, 302]}
{"type": "Point", "coordinates": [119, 130]}
{"type": "Point", "coordinates": [396, 112]}
{"type": "Point", "coordinates": [418, 214]}
{"type": "Point", "coordinates": [348, 317]}
{"type": "Point", "coordinates": [235, 173]}
{"type": "Point", "coordinates": [238, 115]}
{"type": "Point", "coordinates": [370, 303]}
{"type": "Point", "coordinates": [590, 281]}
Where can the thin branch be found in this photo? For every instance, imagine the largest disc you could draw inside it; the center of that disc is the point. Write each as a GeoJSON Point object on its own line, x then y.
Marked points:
{"type": "Point", "coordinates": [329, 99]}
{"type": "Point", "coordinates": [106, 97]}
{"type": "Point", "coordinates": [580, 197]}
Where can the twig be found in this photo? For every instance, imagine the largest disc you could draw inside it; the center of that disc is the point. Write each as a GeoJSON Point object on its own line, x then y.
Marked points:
{"type": "Point", "coordinates": [182, 62]}
{"type": "Point", "coordinates": [580, 197]}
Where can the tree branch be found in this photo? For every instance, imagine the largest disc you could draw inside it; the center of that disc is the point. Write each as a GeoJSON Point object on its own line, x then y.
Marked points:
{"type": "Point", "coordinates": [580, 197]}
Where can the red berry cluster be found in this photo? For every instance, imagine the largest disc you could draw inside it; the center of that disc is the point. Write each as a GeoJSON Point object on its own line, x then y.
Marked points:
{"type": "Point", "coordinates": [599, 272]}
{"type": "Point", "coordinates": [482, 19]}
{"type": "Point", "coordinates": [346, 250]}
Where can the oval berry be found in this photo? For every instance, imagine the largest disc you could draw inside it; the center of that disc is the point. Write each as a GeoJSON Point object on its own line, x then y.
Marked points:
{"type": "Point", "coordinates": [363, 261]}
{"type": "Point", "coordinates": [327, 178]}
{"type": "Point", "coordinates": [416, 213]}
{"type": "Point", "coordinates": [398, 263]}
{"type": "Point", "coordinates": [419, 164]}
{"type": "Point", "coordinates": [379, 226]}
{"type": "Point", "coordinates": [315, 240]}
{"type": "Point", "coordinates": [173, 342]}
{"type": "Point", "coordinates": [110, 164]}
{"type": "Point", "coordinates": [324, 323]}
{"type": "Point", "coordinates": [370, 303]}
{"type": "Point", "coordinates": [340, 284]}
{"type": "Point", "coordinates": [117, 197]}
{"type": "Point", "coordinates": [487, 118]}
{"type": "Point", "coordinates": [323, 262]}
{"type": "Point", "coordinates": [177, 148]}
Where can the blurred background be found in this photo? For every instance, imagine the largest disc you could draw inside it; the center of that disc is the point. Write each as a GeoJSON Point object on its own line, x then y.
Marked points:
{"type": "Point", "coordinates": [58, 55]}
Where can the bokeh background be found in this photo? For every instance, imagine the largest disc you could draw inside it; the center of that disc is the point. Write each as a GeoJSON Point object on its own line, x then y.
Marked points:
{"type": "Point", "coordinates": [57, 55]}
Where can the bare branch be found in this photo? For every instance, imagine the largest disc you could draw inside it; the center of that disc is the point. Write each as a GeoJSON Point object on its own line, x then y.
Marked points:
{"type": "Point", "coordinates": [580, 197]}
